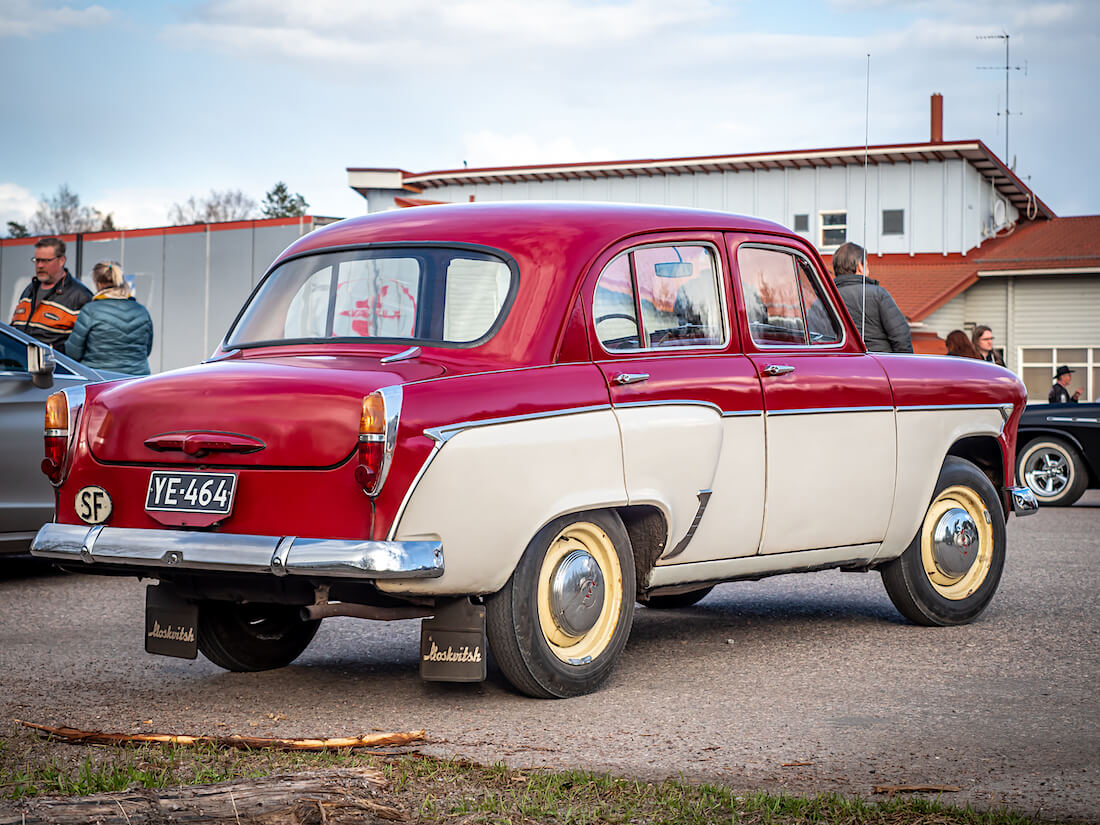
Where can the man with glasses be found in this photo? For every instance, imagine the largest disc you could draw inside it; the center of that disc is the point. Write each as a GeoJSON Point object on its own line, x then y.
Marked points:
{"type": "Point", "coordinates": [983, 343]}
{"type": "Point", "coordinates": [48, 307]}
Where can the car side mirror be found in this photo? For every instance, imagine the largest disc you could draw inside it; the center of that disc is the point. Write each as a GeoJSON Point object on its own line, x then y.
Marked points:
{"type": "Point", "coordinates": [41, 363]}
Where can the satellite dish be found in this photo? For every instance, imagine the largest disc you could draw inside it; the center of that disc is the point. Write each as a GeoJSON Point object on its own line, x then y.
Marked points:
{"type": "Point", "coordinates": [998, 213]}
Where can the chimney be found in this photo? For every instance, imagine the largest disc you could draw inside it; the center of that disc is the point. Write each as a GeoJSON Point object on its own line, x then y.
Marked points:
{"type": "Point", "coordinates": [937, 118]}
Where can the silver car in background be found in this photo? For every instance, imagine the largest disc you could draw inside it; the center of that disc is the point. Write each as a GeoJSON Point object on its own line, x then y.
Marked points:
{"type": "Point", "coordinates": [26, 497]}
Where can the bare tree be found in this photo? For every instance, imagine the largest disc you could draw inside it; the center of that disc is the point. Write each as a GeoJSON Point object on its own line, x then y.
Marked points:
{"type": "Point", "coordinates": [63, 214]}
{"type": "Point", "coordinates": [230, 205]}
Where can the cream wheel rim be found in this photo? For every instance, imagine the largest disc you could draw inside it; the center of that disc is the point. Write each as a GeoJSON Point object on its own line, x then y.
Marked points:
{"type": "Point", "coordinates": [580, 565]}
{"type": "Point", "coordinates": [957, 543]}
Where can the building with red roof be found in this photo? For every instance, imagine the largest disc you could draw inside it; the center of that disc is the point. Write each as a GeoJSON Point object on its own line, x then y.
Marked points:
{"type": "Point", "coordinates": [952, 232]}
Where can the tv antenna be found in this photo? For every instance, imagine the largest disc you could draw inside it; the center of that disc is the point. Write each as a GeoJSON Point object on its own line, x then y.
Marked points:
{"type": "Point", "coordinates": [1007, 68]}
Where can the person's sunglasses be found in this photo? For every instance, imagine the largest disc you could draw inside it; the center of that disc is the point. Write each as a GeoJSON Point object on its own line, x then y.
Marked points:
{"type": "Point", "coordinates": [45, 260]}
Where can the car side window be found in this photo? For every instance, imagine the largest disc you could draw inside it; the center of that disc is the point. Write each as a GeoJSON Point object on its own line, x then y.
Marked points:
{"type": "Point", "coordinates": [13, 354]}
{"type": "Point", "coordinates": [784, 303]}
{"type": "Point", "coordinates": [677, 289]}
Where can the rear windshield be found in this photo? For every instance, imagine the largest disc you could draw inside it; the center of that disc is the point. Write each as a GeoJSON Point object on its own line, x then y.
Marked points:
{"type": "Point", "coordinates": [430, 295]}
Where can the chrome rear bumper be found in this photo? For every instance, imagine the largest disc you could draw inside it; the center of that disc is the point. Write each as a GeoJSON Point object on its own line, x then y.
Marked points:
{"type": "Point", "coordinates": [227, 552]}
{"type": "Point", "coordinates": [1023, 501]}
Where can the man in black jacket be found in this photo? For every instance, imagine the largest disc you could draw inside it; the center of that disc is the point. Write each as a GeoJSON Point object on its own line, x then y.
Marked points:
{"type": "Point", "coordinates": [1058, 393]}
{"type": "Point", "coordinates": [48, 307]}
{"type": "Point", "coordinates": [884, 327]}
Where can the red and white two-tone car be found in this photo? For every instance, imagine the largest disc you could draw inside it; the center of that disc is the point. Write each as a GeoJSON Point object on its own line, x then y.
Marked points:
{"type": "Point", "coordinates": [516, 421]}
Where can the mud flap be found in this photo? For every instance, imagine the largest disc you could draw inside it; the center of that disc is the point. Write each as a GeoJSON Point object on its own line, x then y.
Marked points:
{"type": "Point", "coordinates": [452, 643]}
{"type": "Point", "coordinates": [171, 623]}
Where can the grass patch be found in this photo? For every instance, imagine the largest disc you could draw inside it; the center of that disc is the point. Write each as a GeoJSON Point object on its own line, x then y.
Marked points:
{"type": "Point", "coordinates": [455, 791]}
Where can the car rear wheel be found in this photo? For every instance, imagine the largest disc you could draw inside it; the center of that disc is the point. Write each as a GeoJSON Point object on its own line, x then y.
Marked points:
{"type": "Point", "coordinates": [672, 601]}
{"type": "Point", "coordinates": [247, 637]}
{"type": "Point", "coordinates": [558, 626]}
{"type": "Point", "coordinates": [950, 571]}
{"type": "Point", "coordinates": [1053, 470]}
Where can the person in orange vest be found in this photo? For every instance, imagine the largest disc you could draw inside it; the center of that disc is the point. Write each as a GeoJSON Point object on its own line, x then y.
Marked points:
{"type": "Point", "coordinates": [48, 307]}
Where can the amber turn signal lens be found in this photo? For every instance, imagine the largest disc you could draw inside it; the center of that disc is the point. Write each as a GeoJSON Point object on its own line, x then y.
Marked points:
{"type": "Point", "coordinates": [373, 419]}
{"type": "Point", "coordinates": [57, 414]}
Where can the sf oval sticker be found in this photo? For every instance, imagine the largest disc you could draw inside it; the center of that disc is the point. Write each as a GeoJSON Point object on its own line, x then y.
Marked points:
{"type": "Point", "coordinates": [93, 505]}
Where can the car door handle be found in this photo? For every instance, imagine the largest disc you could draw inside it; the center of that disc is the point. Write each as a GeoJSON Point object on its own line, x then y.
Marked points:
{"type": "Point", "coordinates": [777, 369]}
{"type": "Point", "coordinates": [631, 377]}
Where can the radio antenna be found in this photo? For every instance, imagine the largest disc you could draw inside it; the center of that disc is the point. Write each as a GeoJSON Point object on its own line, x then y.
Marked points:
{"type": "Point", "coordinates": [1007, 68]}
{"type": "Point", "coordinates": [866, 152]}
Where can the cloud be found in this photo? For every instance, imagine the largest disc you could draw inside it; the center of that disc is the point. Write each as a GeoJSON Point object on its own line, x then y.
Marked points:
{"type": "Point", "coordinates": [16, 204]}
{"type": "Point", "coordinates": [350, 32]}
{"type": "Point", "coordinates": [487, 148]}
{"type": "Point", "coordinates": [22, 18]}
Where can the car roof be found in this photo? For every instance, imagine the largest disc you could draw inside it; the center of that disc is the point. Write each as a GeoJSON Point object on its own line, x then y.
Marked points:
{"type": "Point", "coordinates": [508, 226]}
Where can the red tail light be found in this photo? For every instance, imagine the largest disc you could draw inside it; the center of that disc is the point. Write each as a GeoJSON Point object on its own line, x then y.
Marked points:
{"type": "Point", "coordinates": [377, 437]}
{"type": "Point", "coordinates": [56, 436]}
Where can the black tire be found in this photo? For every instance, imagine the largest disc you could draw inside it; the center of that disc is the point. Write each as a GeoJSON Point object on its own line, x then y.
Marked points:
{"type": "Point", "coordinates": [248, 637]}
{"type": "Point", "coordinates": [536, 648]}
{"type": "Point", "coordinates": [675, 600]}
{"type": "Point", "coordinates": [1053, 470]}
{"type": "Point", "coordinates": [939, 584]}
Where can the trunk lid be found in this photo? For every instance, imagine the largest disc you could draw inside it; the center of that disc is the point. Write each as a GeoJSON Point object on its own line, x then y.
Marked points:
{"type": "Point", "coordinates": [297, 411]}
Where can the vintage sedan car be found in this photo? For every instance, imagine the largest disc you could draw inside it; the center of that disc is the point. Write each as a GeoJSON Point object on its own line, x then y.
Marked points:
{"type": "Point", "coordinates": [26, 497]}
{"type": "Point", "coordinates": [1058, 451]}
{"type": "Point", "coordinates": [517, 421]}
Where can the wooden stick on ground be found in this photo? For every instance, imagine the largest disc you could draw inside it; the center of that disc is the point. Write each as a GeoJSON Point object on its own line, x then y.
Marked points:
{"type": "Point", "coordinates": [893, 789]}
{"type": "Point", "coordinates": [373, 740]}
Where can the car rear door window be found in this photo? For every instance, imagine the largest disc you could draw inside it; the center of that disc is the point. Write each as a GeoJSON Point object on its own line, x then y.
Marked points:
{"type": "Point", "coordinates": [672, 289]}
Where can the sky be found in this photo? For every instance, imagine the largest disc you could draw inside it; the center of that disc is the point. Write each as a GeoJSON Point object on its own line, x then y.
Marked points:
{"type": "Point", "coordinates": [137, 105]}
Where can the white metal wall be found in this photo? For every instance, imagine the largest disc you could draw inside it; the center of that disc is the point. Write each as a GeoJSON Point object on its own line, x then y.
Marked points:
{"type": "Point", "coordinates": [193, 280]}
{"type": "Point", "coordinates": [948, 205]}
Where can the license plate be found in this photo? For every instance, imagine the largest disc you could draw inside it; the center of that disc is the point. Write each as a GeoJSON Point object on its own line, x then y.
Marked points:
{"type": "Point", "coordinates": [191, 492]}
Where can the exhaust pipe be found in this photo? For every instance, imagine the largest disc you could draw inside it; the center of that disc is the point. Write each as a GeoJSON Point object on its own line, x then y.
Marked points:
{"type": "Point", "coordinates": [327, 610]}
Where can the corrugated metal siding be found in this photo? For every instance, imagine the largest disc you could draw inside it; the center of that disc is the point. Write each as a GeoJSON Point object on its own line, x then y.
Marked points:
{"type": "Point", "coordinates": [950, 316]}
{"type": "Point", "coordinates": [946, 206]}
{"type": "Point", "coordinates": [193, 282]}
{"type": "Point", "coordinates": [1057, 311]}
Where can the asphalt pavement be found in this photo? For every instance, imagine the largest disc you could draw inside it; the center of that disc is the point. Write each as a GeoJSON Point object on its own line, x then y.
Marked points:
{"type": "Point", "coordinates": [803, 683]}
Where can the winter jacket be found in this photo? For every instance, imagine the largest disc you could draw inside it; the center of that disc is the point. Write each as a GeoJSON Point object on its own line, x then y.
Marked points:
{"type": "Point", "coordinates": [113, 334]}
{"type": "Point", "coordinates": [886, 329]}
{"type": "Point", "coordinates": [49, 314]}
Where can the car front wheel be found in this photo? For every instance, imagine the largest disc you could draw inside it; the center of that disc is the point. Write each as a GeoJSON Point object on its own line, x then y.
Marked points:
{"type": "Point", "coordinates": [1053, 470]}
{"type": "Point", "coordinates": [558, 626]}
{"type": "Point", "coordinates": [247, 637]}
{"type": "Point", "coordinates": [950, 571]}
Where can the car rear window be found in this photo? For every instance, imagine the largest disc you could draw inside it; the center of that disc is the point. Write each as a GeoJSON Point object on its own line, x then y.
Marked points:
{"type": "Point", "coordinates": [431, 295]}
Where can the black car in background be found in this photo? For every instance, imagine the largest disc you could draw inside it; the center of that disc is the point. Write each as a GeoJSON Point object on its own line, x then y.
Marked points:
{"type": "Point", "coordinates": [1058, 451]}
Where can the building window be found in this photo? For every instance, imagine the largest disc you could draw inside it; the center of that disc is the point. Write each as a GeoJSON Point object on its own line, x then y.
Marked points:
{"type": "Point", "coordinates": [1038, 364]}
{"type": "Point", "coordinates": [801, 223]}
{"type": "Point", "coordinates": [893, 221]}
{"type": "Point", "coordinates": [834, 229]}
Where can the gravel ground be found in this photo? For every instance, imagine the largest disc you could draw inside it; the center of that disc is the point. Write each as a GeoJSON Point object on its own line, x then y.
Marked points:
{"type": "Point", "coordinates": [816, 669]}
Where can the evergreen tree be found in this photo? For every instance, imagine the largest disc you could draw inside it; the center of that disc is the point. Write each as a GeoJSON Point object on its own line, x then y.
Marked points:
{"type": "Point", "coordinates": [279, 203]}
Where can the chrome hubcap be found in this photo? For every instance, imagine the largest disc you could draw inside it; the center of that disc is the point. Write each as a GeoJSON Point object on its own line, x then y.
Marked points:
{"type": "Point", "coordinates": [1046, 473]}
{"type": "Point", "coordinates": [955, 542]}
{"type": "Point", "coordinates": [576, 593]}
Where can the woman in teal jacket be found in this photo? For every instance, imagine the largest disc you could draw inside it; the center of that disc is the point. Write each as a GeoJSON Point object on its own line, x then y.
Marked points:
{"type": "Point", "coordinates": [113, 331]}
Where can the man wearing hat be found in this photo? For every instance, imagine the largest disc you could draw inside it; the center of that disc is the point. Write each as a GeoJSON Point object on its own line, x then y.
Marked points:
{"type": "Point", "coordinates": [1058, 392]}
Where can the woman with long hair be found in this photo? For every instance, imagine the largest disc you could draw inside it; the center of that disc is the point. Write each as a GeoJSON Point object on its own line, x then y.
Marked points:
{"type": "Point", "coordinates": [113, 331]}
{"type": "Point", "coordinates": [958, 343]}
